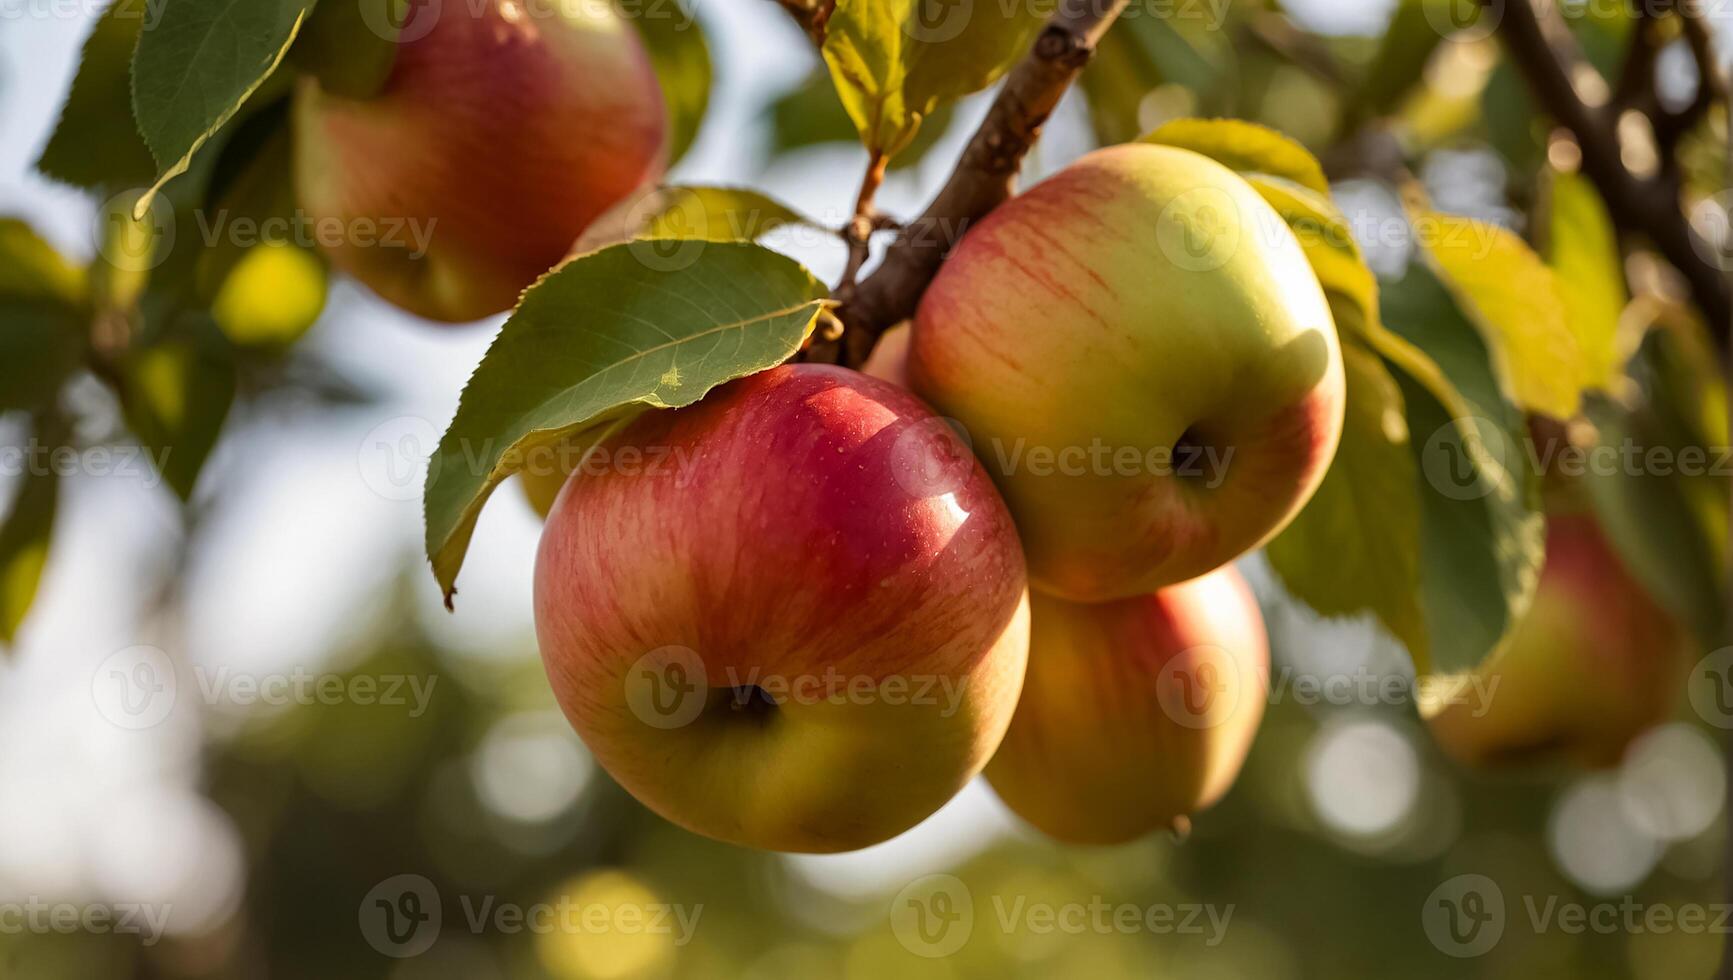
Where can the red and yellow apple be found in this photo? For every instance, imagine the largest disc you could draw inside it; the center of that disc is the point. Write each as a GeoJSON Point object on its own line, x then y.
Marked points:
{"type": "Point", "coordinates": [503, 130]}
{"type": "Point", "coordinates": [1593, 664]}
{"type": "Point", "coordinates": [804, 628]}
{"type": "Point", "coordinates": [1144, 361]}
{"type": "Point", "coordinates": [1135, 713]}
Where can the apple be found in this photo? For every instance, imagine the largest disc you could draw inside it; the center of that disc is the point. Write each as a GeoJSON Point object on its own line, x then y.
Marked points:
{"type": "Point", "coordinates": [1593, 664]}
{"type": "Point", "coordinates": [1136, 713]}
{"type": "Point", "coordinates": [1142, 356]}
{"type": "Point", "coordinates": [889, 360]}
{"type": "Point", "coordinates": [503, 130]}
{"type": "Point", "coordinates": [792, 616]}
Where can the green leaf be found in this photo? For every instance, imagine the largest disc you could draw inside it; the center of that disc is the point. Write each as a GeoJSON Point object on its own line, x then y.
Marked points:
{"type": "Point", "coordinates": [350, 45]}
{"type": "Point", "coordinates": [1583, 249]}
{"type": "Point", "coordinates": [609, 334]}
{"type": "Point", "coordinates": [1482, 534]}
{"type": "Point", "coordinates": [1329, 245]}
{"type": "Point", "coordinates": [681, 58]}
{"type": "Point", "coordinates": [811, 114]}
{"type": "Point", "coordinates": [716, 214]}
{"type": "Point", "coordinates": [1670, 523]}
{"type": "Point", "coordinates": [1247, 148]}
{"type": "Point", "coordinates": [24, 540]}
{"type": "Point", "coordinates": [41, 345]}
{"type": "Point", "coordinates": [1356, 545]}
{"type": "Point", "coordinates": [176, 397]}
{"type": "Point", "coordinates": [196, 68]}
{"type": "Point", "coordinates": [896, 61]}
{"type": "Point", "coordinates": [1515, 301]}
{"type": "Point", "coordinates": [96, 144]}
{"type": "Point", "coordinates": [31, 269]}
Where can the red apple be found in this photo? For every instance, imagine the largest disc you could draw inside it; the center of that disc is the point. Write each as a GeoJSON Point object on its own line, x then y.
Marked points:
{"type": "Point", "coordinates": [1594, 663]}
{"type": "Point", "coordinates": [504, 129]}
{"type": "Point", "coordinates": [792, 616]}
{"type": "Point", "coordinates": [1135, 713]}
{"type": "Point", "coordinates": [1144, 360]}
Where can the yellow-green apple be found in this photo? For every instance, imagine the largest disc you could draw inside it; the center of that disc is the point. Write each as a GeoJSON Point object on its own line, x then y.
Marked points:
{"type": "Point", "coordinates": [804, 628]}
{"type": "Point", "coordinates": [503, 130]}
{"type": "Point", "coordinates": [1593, 664]}
{"type": "Point", "coordinates": [1135, 713]}
{"type": "Point", "coordinates": [1145, 362]}
{"type": "Point", "coordinates": [889, 360]}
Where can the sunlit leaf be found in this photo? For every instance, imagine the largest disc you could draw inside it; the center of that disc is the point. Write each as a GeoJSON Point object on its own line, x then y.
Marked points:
{"type": "Point", "coordinates": [1583, 250]}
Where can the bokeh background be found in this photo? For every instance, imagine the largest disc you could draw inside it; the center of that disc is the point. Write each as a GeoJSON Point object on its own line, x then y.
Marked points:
{"type": "Point", "coordinates": [263, 834]}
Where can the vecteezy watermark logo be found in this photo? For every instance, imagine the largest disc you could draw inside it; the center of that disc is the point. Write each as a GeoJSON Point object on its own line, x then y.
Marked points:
{"type": "Point", "coordinates": [1199, 231]}
{"type": "Point", "coordinates": [135, 688]}
{"type": "Point", "coordinates": [932, 457]}
{"type": "Point", "coordinates": [938, 21]}
{"type": "Point", "coordinates": [395, 458]}
{"type": "Point", "coordinates": [400, 917]}
{"type": "Point", "coordinates": [667, 687]}
{"type": "Point", "coordinates": [1464, 468]}
{"type": "Point", "coordinates": [1464, 20]}
{"type": "Point", "coordinates": [38, 917]}
{"type": "Point", "coordinates": [1710, 688]}
{"type": "Point", "coordinates": [1464, 917]}
{"type": "Point", "coordinates": [402, 21]}
{"type": "Point", "coordinates": [135, 245]}
{"type": "Point", "coordinates": [1200, 688]}
{"type": "Point", "coordinates": [934, 916]}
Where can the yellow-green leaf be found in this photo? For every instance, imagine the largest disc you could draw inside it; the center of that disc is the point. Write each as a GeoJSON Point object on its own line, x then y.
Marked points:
{"type": "Point", "coordinates": [716, 214]}
{"type": "Point", "coordinates": [24, 540]}
{"type": "Point", "coordinates": [1247, 148]}
{"type": "Point", "coordinates": [1583, 249]}
{"type": "Point", "coordinates": [1515, 301]}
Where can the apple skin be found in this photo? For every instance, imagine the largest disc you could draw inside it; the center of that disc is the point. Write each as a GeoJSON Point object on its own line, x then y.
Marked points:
{"type": "Point", "coordinates": [1142, 299]}
{"type": "Point", "coordinates": [822, 523]}
{"type": "Point", "coordinates": [1104, 747]}
{"type": "Point", "coordinates": [509, 131]}
{"type": "Point", "coordinates": [1594, 663]}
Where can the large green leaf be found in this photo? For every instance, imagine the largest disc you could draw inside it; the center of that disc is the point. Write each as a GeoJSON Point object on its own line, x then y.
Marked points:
{"type": "Point", "coordinates": [198, 65]}
{"type": "Point", "coordinates": [24, 539]}
{"type": "Point", "coordinates": [96, 143]}
{"type": "Point", "coordinates": [1482, 534]}
{"type": "Point", "coordinates": [1583, 250]}
{"type": "Point", "coordinates": [682, 61]}
{"type": "Point", "coordinates": [641, 325]}
{"type": "Point", "coordinates": [1356, 545]}
{"type": "Point", "coordinates": [896, 61]}
{"type": "Point", "coordinates": [1515, 301]}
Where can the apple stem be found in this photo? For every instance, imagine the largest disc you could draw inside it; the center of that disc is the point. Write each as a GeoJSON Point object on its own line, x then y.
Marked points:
{"type": "Point", "coordinates": [1179, 829]}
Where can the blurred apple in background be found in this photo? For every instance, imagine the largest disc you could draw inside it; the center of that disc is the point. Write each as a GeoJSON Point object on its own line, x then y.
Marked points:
{"type": "Point", "coordinates": [1135, 713]}
{"type": "Point", "coordinates": [502, 131]}
{"type": "Point", "coordinates": [1145, 363]}
{"type": "Point", "coordinates": [806, 630]}
{"type": "Point", "coordinates": [1593, 664]}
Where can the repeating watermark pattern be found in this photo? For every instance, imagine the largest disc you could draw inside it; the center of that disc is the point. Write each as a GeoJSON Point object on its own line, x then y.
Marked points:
{"type": "Point", "coordinates": [38, 917]}
{"type": "Point", "coordinates": [149, 11]}
{"type": "Point", "coordinates": [413, 20]}
{"type": "Point", "coordinates": [1468, 915]}
{"type": "Point", "coordinates": [138, 688]}
{"type": "Point", "coordinates": [402, 917]}
{"type": "Point", "coordinates": [37, 458]}
{"type": "Point", "coordinates": [1710, 688]}
{"type": "Point", "coordinates": [1472, 468]}
{"type": "Point", "coordinates": [938, 21]}
{"type": "Point", "coordinates": [1360, 687]}
{"type": "Point", "coordinates": [669, 688]}
{"type": "Point", "coordinates": [936, 916]}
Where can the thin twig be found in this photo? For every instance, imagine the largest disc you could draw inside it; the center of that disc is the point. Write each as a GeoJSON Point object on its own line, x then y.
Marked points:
{"type": "Point", "coordinates": [858, 235]}
{"type": "Point", "coordinates": [1550, 58]}
{"type": "Point", "coordinates": [1670, 127]}
{"type": "Point", "coordinates": [813, 16]}
{"type": "Point", "coordinates": [983, 179]}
